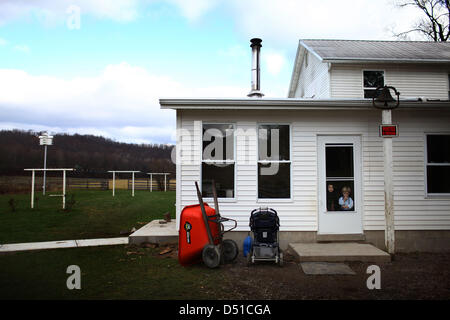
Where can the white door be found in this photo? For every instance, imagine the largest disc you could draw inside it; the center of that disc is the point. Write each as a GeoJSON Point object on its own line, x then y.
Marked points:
{"type": "Point", "coordinates": [339, 160]}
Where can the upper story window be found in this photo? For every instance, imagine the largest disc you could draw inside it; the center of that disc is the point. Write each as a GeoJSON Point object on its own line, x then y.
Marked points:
{"type": "Point", "coordinates": [372, 79]}
{"type": "Point", "coordinates": [218, 159]}
{"type": "Point", "coordinates": [438, 163]}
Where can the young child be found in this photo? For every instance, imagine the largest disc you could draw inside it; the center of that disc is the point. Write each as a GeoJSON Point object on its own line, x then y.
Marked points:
{"type": "Point", "coordinates": [346, 201]}
{"type": "Point", "coordinates": [332, 203]}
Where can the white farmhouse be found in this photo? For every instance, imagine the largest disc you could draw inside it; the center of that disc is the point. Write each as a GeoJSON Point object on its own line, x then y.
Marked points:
{"type": "Point", "coordinates": [329, 146]}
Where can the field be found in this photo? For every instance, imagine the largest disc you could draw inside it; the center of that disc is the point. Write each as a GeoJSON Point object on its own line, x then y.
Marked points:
{"type": "Point", "coordinates": [94, 214]}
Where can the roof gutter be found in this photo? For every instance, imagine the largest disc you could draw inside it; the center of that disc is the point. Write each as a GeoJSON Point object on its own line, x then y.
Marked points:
{"type": "Point", "coordinates": [378, 60]}
{"type": "Point", "coordinates": [292, 104]}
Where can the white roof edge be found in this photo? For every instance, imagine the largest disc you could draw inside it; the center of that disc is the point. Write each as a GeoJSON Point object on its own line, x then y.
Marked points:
{"type": "Point", "coordinates": [311, 50]}
{"type": "Point", "coordinates": [290, 103]}
{"type": "Point", "coordinates": [389, 60]}
{"type": "Point", "coordinates": [296, 71]}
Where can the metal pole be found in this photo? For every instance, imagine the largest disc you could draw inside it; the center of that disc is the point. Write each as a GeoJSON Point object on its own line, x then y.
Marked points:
{"type": "Point", "coordinates": [151, 182]}
{"type": "Point", "coordinates": [114, 183]}
{"type": "Point", "coordinates": [132, 184]}
{"type": "Point", "coordinates": [388, 187]}
{"type": "Point", "coordinates": [64, 189]}
{"type": "Point", "coordinates": [165, 182]}
{"type": "Point", "coordinates": [32, 189]}
{"type": "Point", "coordinates": [45, 167]}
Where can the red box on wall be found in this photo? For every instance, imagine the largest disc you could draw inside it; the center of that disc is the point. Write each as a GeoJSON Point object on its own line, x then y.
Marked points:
{"type": "Point", "coordinates": [388, 130]}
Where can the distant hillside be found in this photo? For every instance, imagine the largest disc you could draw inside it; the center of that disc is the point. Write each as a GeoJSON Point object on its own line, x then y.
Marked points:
{"type": "Point", "coordinates": [91, 156]}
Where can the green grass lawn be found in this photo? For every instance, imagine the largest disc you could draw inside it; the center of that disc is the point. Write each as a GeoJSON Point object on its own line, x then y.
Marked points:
{"type": "Point", "coordinates": [95, 214]}
{"type": "Point", "coordinates": [108, 272]}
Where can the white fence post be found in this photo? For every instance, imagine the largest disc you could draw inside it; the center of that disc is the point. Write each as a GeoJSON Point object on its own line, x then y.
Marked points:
{"type": "Point", "coordinates": [32, 189]}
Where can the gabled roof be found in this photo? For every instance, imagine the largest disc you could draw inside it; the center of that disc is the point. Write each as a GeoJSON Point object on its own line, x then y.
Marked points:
{"type": "Point", "coordinates": [369, 51]}
{"type": "Point", "coordinates": [379, 51]}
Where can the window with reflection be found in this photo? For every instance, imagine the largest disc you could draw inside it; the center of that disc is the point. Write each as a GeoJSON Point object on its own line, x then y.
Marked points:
{"type": "Point", "coordinates": [340, 178]}
{"type": "Point", "coordinates": [218, 162]}
{"type": "Point", "coordinates": [274, 162]}
{"type": "Point", "coordinates": [371, 81]}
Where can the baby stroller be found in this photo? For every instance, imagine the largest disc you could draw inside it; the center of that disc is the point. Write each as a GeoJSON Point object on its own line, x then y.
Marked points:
{"type": "Point", "coordinates": [265, 224]}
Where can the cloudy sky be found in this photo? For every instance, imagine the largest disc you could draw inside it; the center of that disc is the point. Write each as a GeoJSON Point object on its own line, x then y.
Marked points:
{"type": "Point", "coordinates": [100, 66]}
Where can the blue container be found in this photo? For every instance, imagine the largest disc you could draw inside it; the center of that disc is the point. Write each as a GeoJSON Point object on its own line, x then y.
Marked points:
{"type": "Point", "coordinates": [247, 245]}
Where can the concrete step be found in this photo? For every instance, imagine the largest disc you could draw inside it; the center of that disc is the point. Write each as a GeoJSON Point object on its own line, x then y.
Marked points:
{"type": "Point", "coordinates": [338, 252]}
{"type": "Point", "coordinates": [340, 237]}
{"type": "Point", "coordinates": [155, 232]}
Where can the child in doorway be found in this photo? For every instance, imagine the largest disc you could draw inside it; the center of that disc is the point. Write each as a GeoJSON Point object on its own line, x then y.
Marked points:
{"type": "Point", "coordinates": [332, 199]}
{"type": "Point", "coordinates": [346, 201]}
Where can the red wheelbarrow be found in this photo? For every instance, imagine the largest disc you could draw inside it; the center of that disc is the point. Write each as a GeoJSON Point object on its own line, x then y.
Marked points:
{"type": "Point", "coordinates": [201, 234]}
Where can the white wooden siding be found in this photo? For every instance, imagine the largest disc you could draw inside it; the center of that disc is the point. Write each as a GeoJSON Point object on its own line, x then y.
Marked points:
{"type": "Point", "coordinates": [412, 81]}
{"type": "Point", "coordinates": [413, 211]}
{"type": "Point", "coordinates": [313, 80]}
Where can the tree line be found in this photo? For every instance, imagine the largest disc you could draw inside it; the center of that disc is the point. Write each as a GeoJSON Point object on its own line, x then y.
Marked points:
{"type": "Point", "coordinates": [91, 156]}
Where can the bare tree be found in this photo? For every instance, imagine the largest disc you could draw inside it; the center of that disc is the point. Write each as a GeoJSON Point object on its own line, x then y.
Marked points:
{"type": "Point", "coordinates": [435, 23]}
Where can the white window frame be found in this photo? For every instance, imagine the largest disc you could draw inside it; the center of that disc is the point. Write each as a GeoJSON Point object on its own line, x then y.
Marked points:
{"type": "Point", "coordinates": [265, 200]}
{"type": "Point", "coordinates": [371, 88]}
{"type": "Point", "coordinates": [210, 199]}
{"type": "Point", "coordinates": [427, 194]}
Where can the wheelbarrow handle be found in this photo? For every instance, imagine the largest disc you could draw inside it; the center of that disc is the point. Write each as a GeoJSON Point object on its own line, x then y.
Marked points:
{"type": "Point", "coordinates": [205, 217]}
{"type": "Point", "coordinates": [222, 219]}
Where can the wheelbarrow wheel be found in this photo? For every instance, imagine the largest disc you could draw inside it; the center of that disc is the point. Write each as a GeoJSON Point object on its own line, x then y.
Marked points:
{"type": "Point", "coordinates": [211, 256]}
{"type": "Point", "coordinates": [230, 250]}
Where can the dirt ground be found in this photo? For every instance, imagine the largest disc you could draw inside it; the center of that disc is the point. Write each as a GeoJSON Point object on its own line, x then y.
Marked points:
{"type": "Point", "coordinates": [408, 276]}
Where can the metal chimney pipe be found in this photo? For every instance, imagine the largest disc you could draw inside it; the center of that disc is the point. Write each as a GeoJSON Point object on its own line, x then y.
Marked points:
{"type": "Point", "coordinates": [256, 48]}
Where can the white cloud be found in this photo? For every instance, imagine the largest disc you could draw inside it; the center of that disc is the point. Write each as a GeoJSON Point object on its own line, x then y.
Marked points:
{"type": "Point", "coordinates": [193, 9]}
{"type": "Point", "coordinates": [120, 103]}
{"type": "Point", "coordinates": [3, 42]}
{"type": "Point", "coordinates": [22, 48]}
{"type": "Point", "coordinates": [235, 51]}
{"type": "Point", "coordinates": [276, 21]}
{"type": "Point", "coordinates": [287, 20]}
{"type": "Point", "coordinates": [274, 62]}
{"type": "Point", "coordinates": [49, 10]}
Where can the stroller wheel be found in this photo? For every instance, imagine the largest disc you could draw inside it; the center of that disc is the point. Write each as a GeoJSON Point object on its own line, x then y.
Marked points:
{"type": "Point", "coordinates": [211, 256]}
{"type": "Point", "coordinates": [230, 250]}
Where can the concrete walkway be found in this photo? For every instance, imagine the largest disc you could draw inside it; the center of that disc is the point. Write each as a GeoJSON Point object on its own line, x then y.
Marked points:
{"type": "Point", "coordinates": [156, 232]}
{"type": "Point", "coordinates": [338, 252]}
{"type": "Point", "coordinates": [14, 247]}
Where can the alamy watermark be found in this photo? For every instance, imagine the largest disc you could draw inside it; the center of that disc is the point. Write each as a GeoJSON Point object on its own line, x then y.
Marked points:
{"type": "Point", "coordinates": [219, 147]}
{"type": "Point", "coordinates": [74, 280]}
{"type": "Point", "coordinates": [374, 280]}
{"type": "Point", "coordinates": [73, 21]}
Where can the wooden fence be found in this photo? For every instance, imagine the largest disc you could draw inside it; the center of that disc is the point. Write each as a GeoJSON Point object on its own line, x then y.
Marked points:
{"type": "Point", "coordinates": [144, 184]}
{"type": "Point", "coordinates": [23, 184]}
